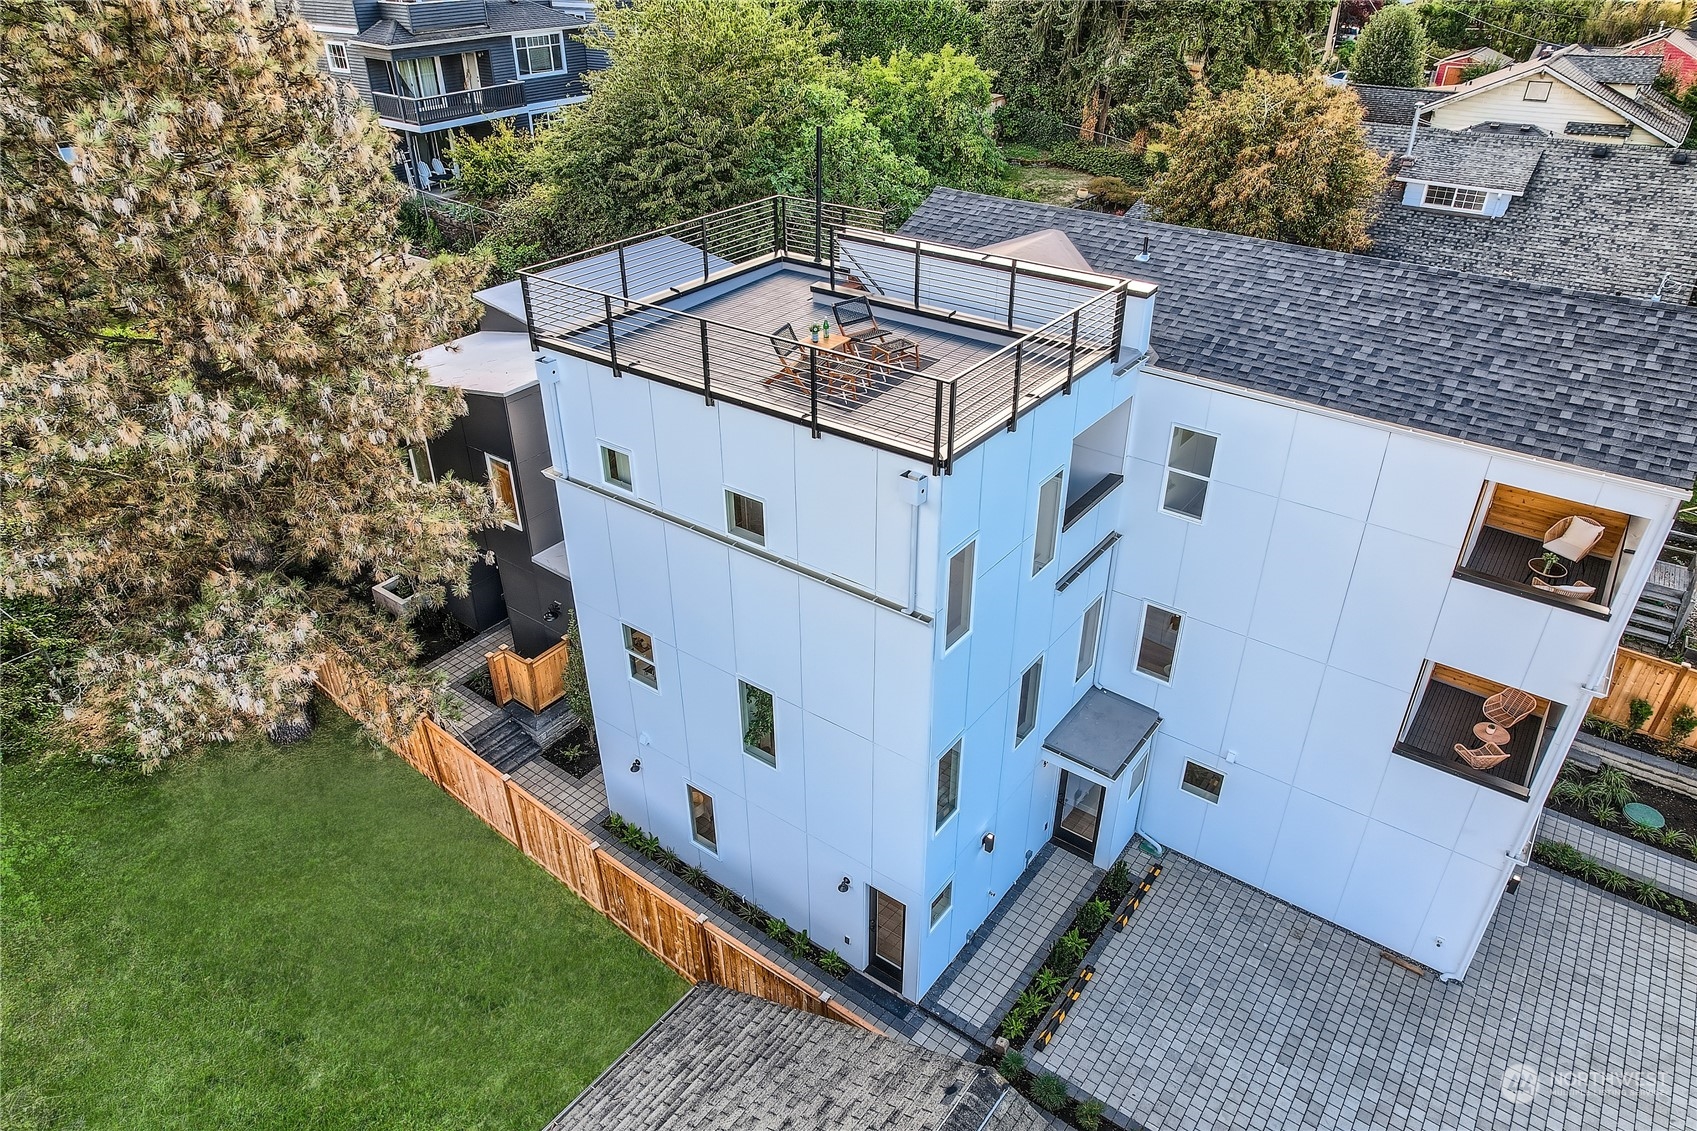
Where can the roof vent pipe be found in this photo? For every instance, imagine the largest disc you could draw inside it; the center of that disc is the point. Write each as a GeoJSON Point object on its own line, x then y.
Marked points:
{"type": "Point", "coordinates": [1414, 126]}
{"type": "Point", "coordinates": [1143, 256]}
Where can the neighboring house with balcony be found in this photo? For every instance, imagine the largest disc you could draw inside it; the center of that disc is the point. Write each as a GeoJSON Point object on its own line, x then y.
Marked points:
{"type": "Point", "coordinates": [1105, 528]}
{"type": "Point", "coordinates": [431, 68]}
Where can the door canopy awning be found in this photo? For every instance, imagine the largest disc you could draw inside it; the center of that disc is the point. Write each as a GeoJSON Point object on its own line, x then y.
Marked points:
{"type": "Point", "coordinates": [1102, 733]}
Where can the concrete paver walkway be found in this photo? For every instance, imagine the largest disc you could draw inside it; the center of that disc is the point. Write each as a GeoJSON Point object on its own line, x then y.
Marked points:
{"type": "Point", "coordinates": [1671, 873]}
{"type": "Point", "coordinates": [460, 663]}
{"type": "Point", "coordinates": [1222, 1007]}
{"type": "Point", "coordinates": [1004, 953]}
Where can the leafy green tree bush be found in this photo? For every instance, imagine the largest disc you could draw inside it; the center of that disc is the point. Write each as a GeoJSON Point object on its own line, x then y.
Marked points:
{"type": "Point", "coordinates": [877, 29]}
{"type": "Point", "coordinates": [1049, 1092]}
{"type": "Point", "coordinates": [1391, 50]}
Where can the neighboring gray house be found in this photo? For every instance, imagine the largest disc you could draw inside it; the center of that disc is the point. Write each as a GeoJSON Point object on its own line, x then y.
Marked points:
{"type": "Point", "coordinates": [434, 67]}
{"type": "Point", "coordinates": [1514, 202]}
{"type": "Point", "coordinates": [719, 1060]}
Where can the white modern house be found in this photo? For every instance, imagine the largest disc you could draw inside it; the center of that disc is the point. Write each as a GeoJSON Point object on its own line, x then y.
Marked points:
{"type": "Point", "coordinates": [1081, 533]}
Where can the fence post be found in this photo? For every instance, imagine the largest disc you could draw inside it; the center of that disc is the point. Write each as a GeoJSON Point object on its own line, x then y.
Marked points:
{"type": "Point", "coordinates": [513, 812]}
{"type": "Point", "coordinates": [706, 940]}
{"type": "Point", "coordinates": [1018, 362]}
{"type": "Point", "coordinates": [706, 370]}
{"type": "Point", "coordinates": [1072, 356]}
{"type": "Point", "coordinates": [813, 387]}
{"type": "Point", "coordinates": [612, 341]}
{"type": "Point", "coordinates": [704, 270]}
{"type": "Point", "coordinates": [423, 726]}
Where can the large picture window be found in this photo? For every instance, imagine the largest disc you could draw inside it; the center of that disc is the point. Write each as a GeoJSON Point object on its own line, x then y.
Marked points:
{"type": "Point", "coordinates": [540, 54]}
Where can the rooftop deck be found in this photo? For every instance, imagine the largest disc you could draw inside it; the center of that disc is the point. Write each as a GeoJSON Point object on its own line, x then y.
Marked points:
{"type": "Point", "coordinates": [704, 305]}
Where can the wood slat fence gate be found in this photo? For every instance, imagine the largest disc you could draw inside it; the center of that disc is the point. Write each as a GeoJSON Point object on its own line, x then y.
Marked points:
{"type": "Point", "coordinates": [685, 940]}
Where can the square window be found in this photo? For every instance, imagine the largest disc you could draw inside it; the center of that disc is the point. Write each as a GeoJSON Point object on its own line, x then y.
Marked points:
{"type": "Point", "coordinates": [948, 785]}
{"type": "Point", "coordinates": [1087, 635]}
{"type": "Point", "coordinates": [1203, 782]}
{"type": "Point", "coordinates": [539, 54]}
{"type": "Point", "coordinates": [1537, 92]}
{"type": "Point", "coordinates": [759, 723]}
{"type": "Point", "coordinates": [1159, 645]}
{"type": "Point", "coordinates": [1048, 522]}
{"type": "Point", "coordinates": [701, 823]}
{"type": "Point", "coordinates": [945, 900]}
{"type": "Point", "coordinates": [640, 648]}
{"type": "Point", "coordinates": [1029, 685]}
{"type": "Point", "coordinates": [502, 486]}
{"type": "Point", "coordinates": [1190, 462]}
{"type": "Point", "coordinates": [615, 467]}
{"type": "Point", "coordinates": [417, 458]}
{"type": "Point", "coordinates": [745, 517]}
{"type": "Point", "coordinates": [958, 621]}
{"type": "Point", "coordinates": [337, 54]}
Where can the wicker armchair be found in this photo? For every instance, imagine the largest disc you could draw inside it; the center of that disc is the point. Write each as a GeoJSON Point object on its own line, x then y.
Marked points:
{"type": "Point", "coordinates": [1487, 755]}
{"type": "Point", "coordinates": [1509, 706]}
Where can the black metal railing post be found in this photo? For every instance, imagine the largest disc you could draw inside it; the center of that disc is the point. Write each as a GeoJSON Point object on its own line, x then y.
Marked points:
{"type": "Point", "coordinates": [704, 270]}
{"type": "Point", "coordinates": [813, 388]}
{"type": "Point", "coordinates": [529, 314]}
{"type": "Point", "coordinates": [1013, 285]}
{"type": "Point", "coordinates": [780, 243]}
{"type": "Point", "coordinates": [954, 386]}
{"type": "Point", "coordinates": [937, 431]}
{"type": "Point", "coordinates": [1072, 356]}
{"type": "Point", "coordinates": [624, 282]}
{"type": "Point", "coordinates": [612, 340]}
{"type": "Point", "coordinates": [833, 274]}
{"type": "Point", "coordinates": [1018, 362]}
{"type": "Point", "coordinates": [916, 258]}
{"type": "Point", "coordinates": [1119, 327]}
{"type": "Point", "coordinates": [706, 369]}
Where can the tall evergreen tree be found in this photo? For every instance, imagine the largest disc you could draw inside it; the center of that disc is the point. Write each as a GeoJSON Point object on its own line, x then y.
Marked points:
{"type": "Point", "coordinates": [206, 321]}
{"type": "Point", "coordinates": [1391, 50]}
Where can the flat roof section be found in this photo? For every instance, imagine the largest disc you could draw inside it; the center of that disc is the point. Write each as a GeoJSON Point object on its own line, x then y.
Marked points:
{"type": "Point", "coordinates": [1103, 732]}
{"type": "Point", "coordinates": [488, 362]}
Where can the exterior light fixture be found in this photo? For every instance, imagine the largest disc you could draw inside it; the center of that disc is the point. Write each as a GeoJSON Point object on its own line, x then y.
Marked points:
{"type": "Point", "coordinates": [636, 765]}
{"type": "Point", "coordinates": [844, 886]}
{"type": "Point", "coordinates": [989, 842]}
{"type": "Point", "coordinates": [553, 612]}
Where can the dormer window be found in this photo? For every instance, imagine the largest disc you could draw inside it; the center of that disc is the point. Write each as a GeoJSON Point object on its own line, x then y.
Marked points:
{"type": "Point", "coordinates": [1459, 199]}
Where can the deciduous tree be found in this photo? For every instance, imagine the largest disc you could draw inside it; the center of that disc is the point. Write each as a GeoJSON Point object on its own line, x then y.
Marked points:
{"type": "Point", "coordinates": [206, 321]}
{"type": "Point", "coordinates": [1283, 157]}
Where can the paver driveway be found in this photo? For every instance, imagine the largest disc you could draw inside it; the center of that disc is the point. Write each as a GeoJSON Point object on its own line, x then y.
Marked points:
{"type": "Point", "coordinates": [1221, 1007]}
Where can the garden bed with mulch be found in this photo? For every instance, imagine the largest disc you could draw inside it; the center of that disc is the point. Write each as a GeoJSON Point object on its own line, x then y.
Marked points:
{"type": "Point", "coordinates": [572, 755]}
{"type": "Point", "coordinates": [1674, 749]}
{"type": "Point", "coordinates": [1597, 797]}
{"type": "Point", "coordinates": [481, 684]}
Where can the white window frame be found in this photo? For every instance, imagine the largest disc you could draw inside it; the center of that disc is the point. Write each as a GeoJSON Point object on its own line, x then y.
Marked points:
{"type": "Point", "coordinates": [1089, 638]}
{"type": "Point", "coordinates": [607, 473]}
{"type": "Point", "coordinates": [1455, 196]}
{"type": "Point", "coordinates": [940, 819]}
{"type": "Point", "coordinates": [331, 48]}
{"type": "Point", "coordinates": [628, 635]}
{"type": "Point", "coordinates": [731, 527]}
{"type": "Point", "coordinates": [524, 43]}
{"type": "Point", "coordinates": [409, 452]}
{"type": "Point", "coordinates": [1048, 536]}
{"type": "Point", "coordinates": [1543, 94]}
{"type": "Point", "coordinates": [945, 896]}
{"type": "Point", "coordinates": [1036, 666]}
{"type": "Point", "coordinates": [1207, 480]}
{"type": "Point", "coordinates": [489, 462]}
{"type": "Point", "coordinates": [1198, 791]}
{"type": "Point", "coordinates": [952, 633]}
{"type": "Point", "coordinates": [711, 846]}
{"type": "Point", "coordinates": [1137, 660]}
{"type": "Point", "coordinates": [435, 65]}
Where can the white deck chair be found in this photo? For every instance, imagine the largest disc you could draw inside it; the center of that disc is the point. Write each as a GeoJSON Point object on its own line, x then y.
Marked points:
{"type": "Point", "coordinates": [439, 169]}
{"type": "Point", "coordinates": [1573, 537]}
{"type": "Point", "coordinates": [423, 175]}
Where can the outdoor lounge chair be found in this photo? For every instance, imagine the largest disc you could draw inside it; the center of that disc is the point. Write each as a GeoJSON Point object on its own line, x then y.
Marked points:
{"type": "Point", "coordinates": [1578, 591]}
{"type": "Point", "coordinates": [438, 169]}
{"type": "Point", "coordinates": [1573, 537]}
{"type": "Point", "coordinates": [1509, 706]}
{"type": "Point", "coordinates": [857, 321]}
{"type": "Point", "coordinates": [423, 175]}
{"type": "Point", "coordinates": [790, 353]}
{"type": "Point", "coordinates": [1487, 755]}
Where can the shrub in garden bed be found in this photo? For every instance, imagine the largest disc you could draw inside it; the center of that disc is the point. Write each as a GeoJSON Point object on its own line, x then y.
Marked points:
{"type": "Point", "coordinates": [1069, 950]}
{"type": "Point", "coordinates": [799, 946]}
{"type": "Point", "coordinates": [1048, 1091]}
{"type": "Point", "coordinates": [1570, 861]}
{"type": "Point", "coordinates": [1598, 798]}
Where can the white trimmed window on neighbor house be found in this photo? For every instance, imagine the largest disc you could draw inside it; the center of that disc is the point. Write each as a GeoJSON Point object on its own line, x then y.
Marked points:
{"type": "Point", "coordinates": [539, 54]}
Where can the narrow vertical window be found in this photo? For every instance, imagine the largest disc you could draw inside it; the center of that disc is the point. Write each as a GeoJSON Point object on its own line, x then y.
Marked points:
{"type": "Point", "coordinates": [945, 900]}
{"type": "Point", "coordinates": [1029, 685]}
{"type": "Point", "coordinates": [1087, 635]}
{"type": "Point", "coordinates": [1190, 462]}
{"type": "Point", "coordinates": [639, 646]}
{"type": "Point", "coordinates": [759, 724]}
{"type": "Point", "coordinates": [958, 620]}
{"type": "Point", "coordinates": [701, 823]}
{"type": "Point", "coordinates": [745, 517]}
{"type": "Point", "coordinates": [1048, 523]}
{"type": "Point", "coordinates": [1155, 652]}
{"type": "Point", "coordinates": [417, 460]}
{"type": "Point", "coordinates": [948, 786]}
{"type": "Point", "coordinates": [502, 487]}
{"type": "Point", "coordinates": [615, 467]}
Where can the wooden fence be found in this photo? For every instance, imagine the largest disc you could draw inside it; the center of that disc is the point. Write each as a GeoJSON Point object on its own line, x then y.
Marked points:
{"type": "Point", "coordinates": [535, 683]}
{"type": "Point", "coordinates": [1665, 685]}
{"type": "Point", "coordinates": [682, 938]}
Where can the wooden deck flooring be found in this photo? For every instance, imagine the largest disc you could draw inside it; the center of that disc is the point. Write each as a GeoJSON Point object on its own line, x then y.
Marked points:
{"type": "Point", "coordinates": [1502, 555]}
{"type": "Point", "coordinates": [1447, 715]}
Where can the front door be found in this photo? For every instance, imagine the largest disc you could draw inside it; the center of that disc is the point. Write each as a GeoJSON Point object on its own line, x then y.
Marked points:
{"type": "Point", "coordinates": [888, 931]}
{"type": "Point", "coordinates": [1078, 814]}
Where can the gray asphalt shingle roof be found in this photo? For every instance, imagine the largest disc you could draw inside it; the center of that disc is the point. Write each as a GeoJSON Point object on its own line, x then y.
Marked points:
{"type": "Point", "coordinates": [1476, 160]}
{"type": "Point", "coordinates": [1624, 223]}
{"type": "Point", "coordinates": [723, 1061]}
{"type": "Point", "coordinates": [1393, 105]}
{"type": "Point", "coordinates": [1627, 70]}
{"type": "Point", "coordinates": [1602, 382]}
{"type": "Point", "coordinates": [501, 17]}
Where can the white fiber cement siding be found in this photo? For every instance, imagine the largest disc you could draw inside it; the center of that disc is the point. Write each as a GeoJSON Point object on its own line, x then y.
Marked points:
{"type": "Point", "coordinates": [1316, 585]}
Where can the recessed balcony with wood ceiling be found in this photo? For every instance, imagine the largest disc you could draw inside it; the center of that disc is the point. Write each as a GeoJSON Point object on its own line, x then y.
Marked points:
{"type": "Point", "coordinates": [1479, 729]}
{"type": "Point", "coordinates": [1553, 550]}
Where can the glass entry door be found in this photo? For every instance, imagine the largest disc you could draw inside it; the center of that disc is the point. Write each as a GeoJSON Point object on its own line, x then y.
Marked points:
{"type": "Point", "coordinates": [887, 929]}
{"type": "Point", "coordinates": [1078, 813]}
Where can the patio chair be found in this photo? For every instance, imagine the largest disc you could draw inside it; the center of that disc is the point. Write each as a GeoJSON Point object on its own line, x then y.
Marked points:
{"type": "Point", "coordinates": [1487, 755]}
{"type": "Point", "coordinates": [857, 321]}
{"type": "Point", "coordinates": [791, 355]}
{"type": "Point", "coordinates": [1578, 591]}
{"type": "Point", "coordinates": [440, 170]}
{"type": "Point", "coordinates": [1573, 537]}
{"type": "Point", "coordinates": [423, 171]}
{"type": "Point", "coordinates": [1509, 706]}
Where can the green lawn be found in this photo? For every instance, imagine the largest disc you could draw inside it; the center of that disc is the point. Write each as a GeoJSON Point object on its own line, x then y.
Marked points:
{"type": "Point", "coordinates": [312, 937]}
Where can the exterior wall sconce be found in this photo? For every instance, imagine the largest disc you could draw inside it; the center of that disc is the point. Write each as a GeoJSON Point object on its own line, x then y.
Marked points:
{"type": "Point", "coordinates": [989, 842]}
{"type": "Point", "coordinates": [553, 612]}
{"type": "Point", "coordinates": [636, 765]}
{"type": "Point", "coordinates": [844, 886]}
